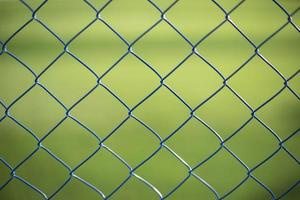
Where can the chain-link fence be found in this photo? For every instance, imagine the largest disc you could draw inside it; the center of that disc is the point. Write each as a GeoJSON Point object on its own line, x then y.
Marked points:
{"type": "Point", "coordinates": [150, 141]}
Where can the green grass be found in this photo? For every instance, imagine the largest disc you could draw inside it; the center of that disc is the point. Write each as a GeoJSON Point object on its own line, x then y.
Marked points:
{"type": "Point", "coordinates": [194, 81]}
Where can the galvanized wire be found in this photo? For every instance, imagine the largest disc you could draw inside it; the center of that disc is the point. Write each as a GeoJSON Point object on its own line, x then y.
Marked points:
{"type": "Point", "coordinates": [190, 170]}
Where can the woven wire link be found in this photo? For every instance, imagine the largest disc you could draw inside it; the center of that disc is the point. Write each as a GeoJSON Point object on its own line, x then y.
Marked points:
{"type": "Point", "coordinates": [162, 141]}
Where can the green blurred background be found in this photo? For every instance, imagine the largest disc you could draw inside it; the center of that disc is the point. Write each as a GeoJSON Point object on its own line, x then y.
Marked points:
{"type": "Point", "coordinates": [99, 48]}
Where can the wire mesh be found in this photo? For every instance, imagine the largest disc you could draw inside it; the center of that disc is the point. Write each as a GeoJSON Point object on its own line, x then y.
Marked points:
{"type": "Point", "coordinates": [132, 171]}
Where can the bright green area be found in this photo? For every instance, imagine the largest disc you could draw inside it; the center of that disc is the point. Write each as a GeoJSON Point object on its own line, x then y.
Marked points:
{"type": "Point", "coordinates": [131, 80]}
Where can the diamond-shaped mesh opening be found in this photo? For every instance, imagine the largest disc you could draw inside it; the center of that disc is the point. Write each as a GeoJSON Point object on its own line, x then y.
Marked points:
{"type": "Point", "coordinates": [170, 173]}
{"type": "Point", "coordinates": [11, 89]}
{"type": "Point", "coordinates": [58, 22]}
{"type": "Point", "coordinates": [38, 111]}
{"type": "Point", "coordinates": [203, 81]}
{"type": "Point", "coordinates": [154, 99]}
{"type": "Point", "coordinates": [258, 19]}
{"type": "Point", "coordinates": [194, 142]}
{"type": "Point", "coordinates": [42, 43]}
{"type": "Point", "coordinates": [12, 11]}
{"type": "Point", "coordinates": [137, 14]}
{"type": "Point", "coordinates": [42, 164]}
{"type": "Point", "coordinates": [127, 139]}
{"type": "Point", "coordinates": [98, 47]}
{"type": "Point", "coordinates": [100, 111]}
{"type": "Point", "coordinates": [221, 178]}
{"type": "Point", "coordinates": [224, 44]}
{"type": "Point", "coordinates": [278, 165]}
{"type": "Point", "coordinates": [224, 120]}
{"type": "Point", "coordinates": [104, 170]}
{"type": "Point", "coordinates": [163, 104]}
{"type": "Point", "coordinates": [63, 142]}
{"type": "Point", "coordinates": [256, 82]}
{"type": "Point", "coordinates": [283, 50]}
{"type": "Point", "coordinates": [253, 136]}
{"type": "Point", "coordinates": [68, 80]}
{"type": "Point", "coordinates": [282, 114]}
{"type": "Point", "coordinates": [202, 17]}
{"type": "Point", "coordinates": [15, 142]}
{"type": "Point", "coordinates": [170, 45]}
{"type": "Point", "coordinates": [131, 80]}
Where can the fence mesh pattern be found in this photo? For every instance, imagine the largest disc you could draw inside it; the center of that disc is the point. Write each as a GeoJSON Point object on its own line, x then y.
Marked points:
{"type": "Point", "coordinates": [161, 140]}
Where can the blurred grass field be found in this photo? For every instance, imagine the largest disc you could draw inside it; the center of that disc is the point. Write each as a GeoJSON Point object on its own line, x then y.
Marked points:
{"type": "Point", "coordinates": [194, 81]}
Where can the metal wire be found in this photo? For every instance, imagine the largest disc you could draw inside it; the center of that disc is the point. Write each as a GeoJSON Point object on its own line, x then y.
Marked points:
{"type": "Point", "coordinates": [162, 141]}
